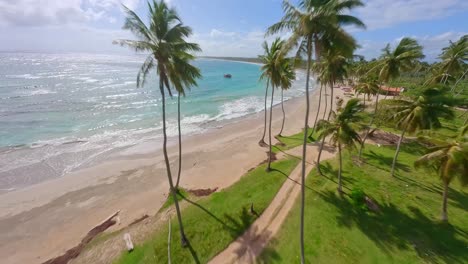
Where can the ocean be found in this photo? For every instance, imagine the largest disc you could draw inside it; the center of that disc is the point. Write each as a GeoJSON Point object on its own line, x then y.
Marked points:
{"type": "Point", "coordinates": [63, 112]}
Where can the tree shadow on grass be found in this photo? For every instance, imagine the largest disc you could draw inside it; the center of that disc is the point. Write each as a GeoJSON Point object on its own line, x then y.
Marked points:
{"type": "Point", "coordinates": [383, 162]}
{"type": "Point", "coordinates": [392, 229]}
{"type": "Point", "coordinates": [331, 174]}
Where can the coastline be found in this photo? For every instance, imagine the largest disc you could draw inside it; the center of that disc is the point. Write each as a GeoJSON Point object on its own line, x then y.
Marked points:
{"type": "Point", "coordinates": [66, 208]}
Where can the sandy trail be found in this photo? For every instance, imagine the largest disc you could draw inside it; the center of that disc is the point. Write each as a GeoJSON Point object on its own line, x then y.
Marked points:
{"type": "Point", "coordinates": [45, 220]}
{"type": "Point", "coordinates": [246, 248]}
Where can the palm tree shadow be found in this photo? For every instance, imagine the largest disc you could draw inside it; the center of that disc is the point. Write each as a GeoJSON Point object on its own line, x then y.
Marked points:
{"type": "Point", "coordinates": [289, 178]}
{"type": "Point", "coordinates": [383, 162]}
{"type": "Point", "coordinates": [393, 229]}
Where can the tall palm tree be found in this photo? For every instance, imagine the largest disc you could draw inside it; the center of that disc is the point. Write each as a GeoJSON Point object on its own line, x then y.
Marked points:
{"type": "Point", "coordinates": [342, 129]}
{"type": "Point", "coordinates": [182, 76]}
{"type": "Point", "coordinates": [331, 69]}
{"type": "Point", "coordinates": [421, 113]}
{"type": "Point", "coordinates": [165, 39]}
{"type": "Point", "coordinates": [391, 64]}
{"type": "Point", "coordinates": [312, 23]}
{"type": "Point", "coordinates": [288, 75]}
{"type": "Point", "coordinates": [370, 84]}
{"type": "Point", "coordinates": [262, 140]}
{"type": "Point", "coordinates": [449, 160]}
{"type": "Point", "coordinates": [271, 71]}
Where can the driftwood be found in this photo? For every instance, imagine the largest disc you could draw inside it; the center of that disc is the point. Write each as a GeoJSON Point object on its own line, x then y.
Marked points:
{"type": "Point", "coordinates": [202, 192]}
{"type": "Point", "coordinates": [75, 251]}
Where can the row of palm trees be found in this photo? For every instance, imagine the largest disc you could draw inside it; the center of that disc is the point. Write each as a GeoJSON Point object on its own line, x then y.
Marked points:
{"type": "Point", "coordinates": [316, 28]}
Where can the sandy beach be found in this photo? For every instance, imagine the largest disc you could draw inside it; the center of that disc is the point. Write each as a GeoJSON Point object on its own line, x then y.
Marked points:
{"type": "Point", "coordinates": [44, 220]}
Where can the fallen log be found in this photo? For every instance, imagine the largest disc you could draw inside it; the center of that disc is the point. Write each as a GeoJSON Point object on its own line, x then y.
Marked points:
{"type": "Point", "coordinates": [75, 251]}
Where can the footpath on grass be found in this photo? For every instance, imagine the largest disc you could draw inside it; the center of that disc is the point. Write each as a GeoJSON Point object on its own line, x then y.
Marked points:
{"type": "Point", "coordinates": [247, 247]}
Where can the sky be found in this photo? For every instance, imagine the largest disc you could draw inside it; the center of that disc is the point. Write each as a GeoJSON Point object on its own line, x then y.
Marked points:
{"type": "Point", "coordinates": [221, 27]}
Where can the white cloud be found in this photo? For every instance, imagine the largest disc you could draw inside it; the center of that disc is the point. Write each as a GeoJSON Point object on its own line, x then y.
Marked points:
{"type": "Point", "coordinates": [432, 44]}
{"type": "Point", "coordinates": [386, 13]}
{"type": "Point", "coordinates": [224, 43]}
{"type": "Point", "coordinates": [33, 13]}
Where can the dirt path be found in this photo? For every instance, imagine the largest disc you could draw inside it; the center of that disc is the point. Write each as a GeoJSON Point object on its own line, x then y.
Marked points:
{"type": "Point", "coordinates": [246, 248]}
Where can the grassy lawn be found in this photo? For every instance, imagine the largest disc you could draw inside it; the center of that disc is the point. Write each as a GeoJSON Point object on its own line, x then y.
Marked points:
{"type": "Point", "coordinates": [212, 223]}
{"type": "Point", "coordinates": [289, 142]}
{"type": "Point", "coordinates": [407, 230]}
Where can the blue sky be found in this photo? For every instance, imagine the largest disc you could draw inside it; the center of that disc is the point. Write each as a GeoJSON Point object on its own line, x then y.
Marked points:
{"type": "Point", "coordinates": [222, 27]}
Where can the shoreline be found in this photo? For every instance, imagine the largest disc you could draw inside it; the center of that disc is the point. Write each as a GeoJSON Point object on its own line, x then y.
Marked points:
{"type": "Point", "coordinates": [66, 208]}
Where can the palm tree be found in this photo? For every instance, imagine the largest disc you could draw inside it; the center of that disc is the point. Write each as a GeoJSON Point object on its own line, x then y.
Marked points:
{"type": "Point", "coordinates": [449, 160]}
{"type": "Point", "coordinates": [371, 85]}
{"type": "Point", "coordinates": [332, 69]}
{"type": "Point", "coordinates": [183, 76]}
{"type": "Point", "coordinates": [367, 87]}
{"type": "Point", "coordinates": [271, 70]}
{"type": "Point", "coordinates": [391, 64]}
{"type": "Point", "coordinates": [288, 75]}
{"type": "Point", "coordinates": [342, 130]}
{"type": "Point", "coordinates": [165, 39]}
{"type": "Point", "coordinates": [262, 141]}
{"type": "Point", "coordinates": [454, 58]}
{"type": "Point", "coordinates": [421, 113]}
{"type": "Point", "coordinates": [312, 23]}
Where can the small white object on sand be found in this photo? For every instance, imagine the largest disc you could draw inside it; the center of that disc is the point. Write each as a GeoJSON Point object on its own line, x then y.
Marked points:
{"type": "Point", "coordinates": [128, 242]}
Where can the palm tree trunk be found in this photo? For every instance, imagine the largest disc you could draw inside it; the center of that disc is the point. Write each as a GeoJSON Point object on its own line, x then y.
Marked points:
{"type": "Point", "coordinates": [322, 144]}
{"type": "Point", "coordinates": [398, 150]}
{"type": "Point", "coordinates": [284, 114]}
{"type": "Point", "coordinates": [180, 143]}
{"type": "Point", "coordinates": [331, 101]}
{"type": "Point", "coordinates": [318, 111]}
{"type": "Point", "coordinates": [444, 202]}
{"type": "Point", "coordinates": [326, 104]}
{"type": "Point", "coordinates": [262, 141]}
{"type": "Point", "coordinates": [168, 168]}
{"type": "Point", "coordinates": [459, 79]}
{"type": "Point", "coordinates": [304, 149]}
{"type": "Point", "coordinates": [369, 126]}
{"type": "Point", "coordinates": [340, 188]}
{"type": "Point", "coordinates": [269, 128]}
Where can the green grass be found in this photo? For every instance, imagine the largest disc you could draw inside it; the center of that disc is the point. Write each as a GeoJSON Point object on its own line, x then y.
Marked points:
{"type": "Point", "coordinates": [170, 199]}
{"type": "Point", "coordinates": [289, 142]}
{"type": "Point", "coordinates": [212, 223]}
{"type": "Point", "coordinates": [407, 230]}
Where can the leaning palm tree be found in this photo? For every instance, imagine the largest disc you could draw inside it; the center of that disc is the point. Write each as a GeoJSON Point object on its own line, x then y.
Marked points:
{"type": "Point", "coordinates": [390, 66]}
{"type": "Point", "coordinates": [449, 160]}
{"type": "Point", "coordinates": [312, 23]}
{"type": "Point", "coordinates": [454, 58]}
{"type": "Point", "coordinates": [271, 71]}
{"type": "Point", "coordinates": [421, 113]}
{"type": "Point", "coordinates": [342, 130]}
{"type": "Point", "coordinates": [287, 77]}
{"type": "Point", "coordinates": [165, 39]}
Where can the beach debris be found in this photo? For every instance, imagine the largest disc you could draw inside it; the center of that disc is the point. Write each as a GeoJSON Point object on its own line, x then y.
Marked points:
{"type": "Point", "coordinates": [138, 220]}
{"type": "Point", "coordinates": [128, 242]}
{"type": "Point", "coordinates": [75, 251]}
{"type": "Point", "coordinates": [228, 76]}
{"type": "Point", "coordinates": [202, 192]}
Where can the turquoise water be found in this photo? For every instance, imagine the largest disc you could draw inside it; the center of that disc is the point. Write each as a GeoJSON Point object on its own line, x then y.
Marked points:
{"type": "Point", "coordinates": [59, 112]}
